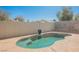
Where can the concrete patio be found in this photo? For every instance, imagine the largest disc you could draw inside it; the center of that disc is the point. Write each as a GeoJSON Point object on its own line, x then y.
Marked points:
{"type": "Point", "coordinates": [69, 44]}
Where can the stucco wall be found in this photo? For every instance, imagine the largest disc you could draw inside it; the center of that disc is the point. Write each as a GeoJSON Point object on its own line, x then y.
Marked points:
{"type": "Point", "coordinates": [11, 29]}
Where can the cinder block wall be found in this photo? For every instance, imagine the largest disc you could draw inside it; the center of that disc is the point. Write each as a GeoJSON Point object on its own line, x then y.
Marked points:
{"type": "Point", "coordinates": [12, 29]}
{"type": "Point", "coordinates": [67, 26]}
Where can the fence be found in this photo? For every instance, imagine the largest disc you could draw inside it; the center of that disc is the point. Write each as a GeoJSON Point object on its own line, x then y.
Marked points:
{"type": "Point", "coordinates": [11, 29]}
{"type": "Point", "coordinates": [67, 26]}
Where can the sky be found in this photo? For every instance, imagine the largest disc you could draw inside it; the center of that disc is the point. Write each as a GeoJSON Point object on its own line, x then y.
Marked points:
{"type": "Point", "coordinates": [34, 13]}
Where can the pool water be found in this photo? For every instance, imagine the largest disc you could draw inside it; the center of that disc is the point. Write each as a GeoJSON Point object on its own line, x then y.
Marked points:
{"type": "Point", "coordinates": [38, 43]}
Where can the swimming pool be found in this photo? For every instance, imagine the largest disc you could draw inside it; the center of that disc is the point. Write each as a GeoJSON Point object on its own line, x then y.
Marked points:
{"type": "Point", "coordinates": [44, 41]}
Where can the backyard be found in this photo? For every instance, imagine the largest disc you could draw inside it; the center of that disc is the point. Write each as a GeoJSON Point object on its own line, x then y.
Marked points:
{"type": "Point", "coordinates": [22, 35]}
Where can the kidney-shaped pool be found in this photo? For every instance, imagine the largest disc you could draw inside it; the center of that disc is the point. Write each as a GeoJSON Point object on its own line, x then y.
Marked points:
{"type": "Point", "coordinates": [42, 41]}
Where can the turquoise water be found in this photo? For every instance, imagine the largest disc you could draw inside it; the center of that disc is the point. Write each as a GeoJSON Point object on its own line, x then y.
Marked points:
{"type": "Point", "coordinates": [38, 43]}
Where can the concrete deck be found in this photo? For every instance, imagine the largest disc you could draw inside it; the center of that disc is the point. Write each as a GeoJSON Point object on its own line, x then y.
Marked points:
{"type": "Point", "coordinates": [69, 44]}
